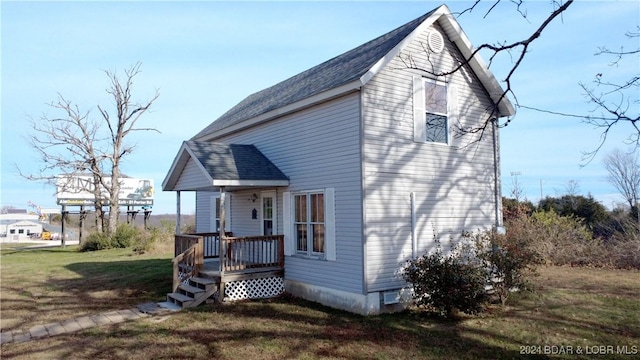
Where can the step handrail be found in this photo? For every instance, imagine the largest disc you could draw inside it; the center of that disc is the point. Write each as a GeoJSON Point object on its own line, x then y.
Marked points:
{"type": "Point", "coordinates": [188, 263]}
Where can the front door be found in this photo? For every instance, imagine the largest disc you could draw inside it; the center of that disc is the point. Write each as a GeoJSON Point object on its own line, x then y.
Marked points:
{"type": "Point", "coordinates": [214, 223]}
{"type": "Point", "coordinates": [268, 219]}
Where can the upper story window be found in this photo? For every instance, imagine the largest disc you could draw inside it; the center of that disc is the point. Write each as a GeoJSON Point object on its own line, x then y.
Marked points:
{"type": "Point", "coordinates": [436, 117]}
{"type": "Point", "coordinates": [434, 105]}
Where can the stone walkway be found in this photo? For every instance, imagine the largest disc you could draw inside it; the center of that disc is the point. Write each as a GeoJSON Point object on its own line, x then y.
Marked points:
{"type": "Point", "coordinates": [87, 322]}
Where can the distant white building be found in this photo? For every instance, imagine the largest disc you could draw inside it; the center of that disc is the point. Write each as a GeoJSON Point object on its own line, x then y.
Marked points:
{"type": "Point", "coordinates": [19, 227]}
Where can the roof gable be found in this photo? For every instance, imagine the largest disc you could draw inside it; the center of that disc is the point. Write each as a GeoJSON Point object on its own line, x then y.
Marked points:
{"type": "Point", "coordinates": [349, 72]}
{"type": "Point", "coordinates": [225, 165]}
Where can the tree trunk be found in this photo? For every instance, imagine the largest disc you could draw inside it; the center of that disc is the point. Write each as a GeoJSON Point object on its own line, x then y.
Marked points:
{"type": "Point", "coordinates": [114, 209]}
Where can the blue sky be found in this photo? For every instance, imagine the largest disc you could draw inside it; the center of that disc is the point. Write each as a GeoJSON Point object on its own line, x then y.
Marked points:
{"type": "Point", "coordinates": [204, 57]}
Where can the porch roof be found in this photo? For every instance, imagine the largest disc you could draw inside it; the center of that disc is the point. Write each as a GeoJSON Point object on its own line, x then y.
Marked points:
{"type": "Point", "coordinates": [207, 166]}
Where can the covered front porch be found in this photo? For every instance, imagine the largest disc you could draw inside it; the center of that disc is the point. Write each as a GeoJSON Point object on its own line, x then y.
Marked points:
{"type": "Point", "coordinates": [243, 260]}
{"type": "Point", "coordinates": [247, 266]}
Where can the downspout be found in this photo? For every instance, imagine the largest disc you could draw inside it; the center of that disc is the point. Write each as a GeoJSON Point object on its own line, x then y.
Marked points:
{"type": "Point", "coordinates": [414, 240]}
{"type": "Point", "coordinates": [496, 177]}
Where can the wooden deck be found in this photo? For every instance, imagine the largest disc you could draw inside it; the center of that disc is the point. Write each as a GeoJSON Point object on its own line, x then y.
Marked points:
{"type": "Point", "coordinates": [242, 257]}
{"type": "Point", "coordinates": [211, 269]}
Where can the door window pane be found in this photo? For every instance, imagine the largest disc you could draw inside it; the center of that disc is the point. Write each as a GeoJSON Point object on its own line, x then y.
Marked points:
{"type": "Point", "coordinates": [217, 214]}
{"type": "Point", "coordinates": [267, 216]}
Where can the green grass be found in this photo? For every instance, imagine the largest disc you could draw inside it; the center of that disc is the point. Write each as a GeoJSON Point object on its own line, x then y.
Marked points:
{"type": "Point", "coordinates": [53, 284]}
{"type": "Point", "coordinates": [573, 307]}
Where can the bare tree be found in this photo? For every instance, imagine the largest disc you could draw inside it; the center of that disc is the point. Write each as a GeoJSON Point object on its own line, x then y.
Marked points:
{"type": "Point", "coordinates": [516, 190]}
{"type": "Point", "coordinates": [618, 102]}
{"type": "Point", "coordinates": [75, 144]}
{"type": "Point", "coordinates": [615, 103]}
{"type": "Point", "coordinates": [515, 50]}
{"type": "Point", "coordinates": [120, 126]}
{"type": "Point", "coordinates": [68, 145]}
{"type": "Point", "coordinates": [624, 174]}
{"type": "Point", "coordinates": [6, 209]}
{"type": "Point", "coordinates": [572, 188]}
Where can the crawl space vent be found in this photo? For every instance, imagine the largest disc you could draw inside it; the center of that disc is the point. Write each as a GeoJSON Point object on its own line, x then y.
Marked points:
{"type": "Point", "coordinates": [391, 297]}
{"type": "Point", "coordinates": [436, 42]}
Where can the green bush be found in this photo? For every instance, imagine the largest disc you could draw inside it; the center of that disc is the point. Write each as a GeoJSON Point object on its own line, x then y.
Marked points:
{"type": "Point", "coordinates": [459, 281]}
{"type": "Point", "coordinates": [445, 283]}
{"type": "Point", "coordinates": [509, 263]}
{"type": "Point", "coordinates": [125, 235]}
{"type": "Point", "coordinates": [96, 241]}
{"type": "Point", "coordinates": [145, 241]}
{"type": "Point", "coordinates": [558, 240]}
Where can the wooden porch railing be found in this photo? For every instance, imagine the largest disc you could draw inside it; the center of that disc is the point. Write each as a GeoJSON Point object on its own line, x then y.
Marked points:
{"type": "Point", "coordinates": [252, 252]}
{"type": "Point", "coordinates": [189, 258]}
{"type": "Point", "coordinates": [241, 253]}
{"type": "Point", "coordinates": [210, 243]}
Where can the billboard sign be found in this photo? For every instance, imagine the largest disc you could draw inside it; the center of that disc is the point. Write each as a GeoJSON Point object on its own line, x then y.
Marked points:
{"type": "Point", "coordinates": [79, 190]}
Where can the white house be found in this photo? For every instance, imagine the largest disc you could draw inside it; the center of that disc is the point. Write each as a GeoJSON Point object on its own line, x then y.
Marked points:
{"type": "Point", "coordinates": [355, 162]}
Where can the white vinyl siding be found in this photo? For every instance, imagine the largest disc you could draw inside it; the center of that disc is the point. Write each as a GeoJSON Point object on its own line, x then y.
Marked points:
{"type": "Point", "coordinates": [453, 186]}
{"type": "Point", "coordinates": [317, 148]}
{"type": "Point", "coordinates": [192, 177]}
{"type": "Point", "coordinates": [207, 212]}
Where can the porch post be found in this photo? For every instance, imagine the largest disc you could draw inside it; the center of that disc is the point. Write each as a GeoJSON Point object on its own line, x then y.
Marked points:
{"type": "Point", "coordinates": [223, 214]}
{"type": "Point", "coordinates": [178, 212]}
{"type": "Point", "coordinates": [223, 250]}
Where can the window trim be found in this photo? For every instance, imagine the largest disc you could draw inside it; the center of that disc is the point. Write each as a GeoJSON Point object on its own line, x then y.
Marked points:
{"type": "Point", "coordinates": [288, 205]}
{"type": "Point", "coordinates": [308, 221]}
{"type": "Point", "coordinates": [420, 111]}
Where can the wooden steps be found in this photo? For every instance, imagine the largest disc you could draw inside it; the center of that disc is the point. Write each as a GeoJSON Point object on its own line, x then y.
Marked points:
{"type": "Point", "coordinates": [194, 293]}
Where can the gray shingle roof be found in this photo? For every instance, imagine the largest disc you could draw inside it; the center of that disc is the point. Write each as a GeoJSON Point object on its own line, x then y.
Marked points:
{"type": "Point", "coordinates": [234, 162]}
{"type": "Point", "coordinates": [331, 74]}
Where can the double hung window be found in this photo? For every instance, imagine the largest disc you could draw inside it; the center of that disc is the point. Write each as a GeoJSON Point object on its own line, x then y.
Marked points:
{"type": "Point", "coordinates": [309, 223]}
{"type": "Point", "coordinates": [436, 116]}
{"type": "Point", "coordinates": [435, 108]}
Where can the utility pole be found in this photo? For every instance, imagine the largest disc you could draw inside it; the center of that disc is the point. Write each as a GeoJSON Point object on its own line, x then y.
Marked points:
{"type": "Point", "coordinates": [541, 197]}
{"type": "Point", "coordinates": [516, 191]}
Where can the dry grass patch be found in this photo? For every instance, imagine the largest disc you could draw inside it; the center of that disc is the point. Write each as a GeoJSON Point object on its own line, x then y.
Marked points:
{"type": "Point", "coordinates": [573, 306]}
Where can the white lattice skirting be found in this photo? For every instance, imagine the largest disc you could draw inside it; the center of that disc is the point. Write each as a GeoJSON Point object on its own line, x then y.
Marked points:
{"type": "Point", "coordinates": [253, 288]}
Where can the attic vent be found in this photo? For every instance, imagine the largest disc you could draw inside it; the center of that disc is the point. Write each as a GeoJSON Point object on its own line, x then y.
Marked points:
{"type": "Point", "coordinates": [436, 42]}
